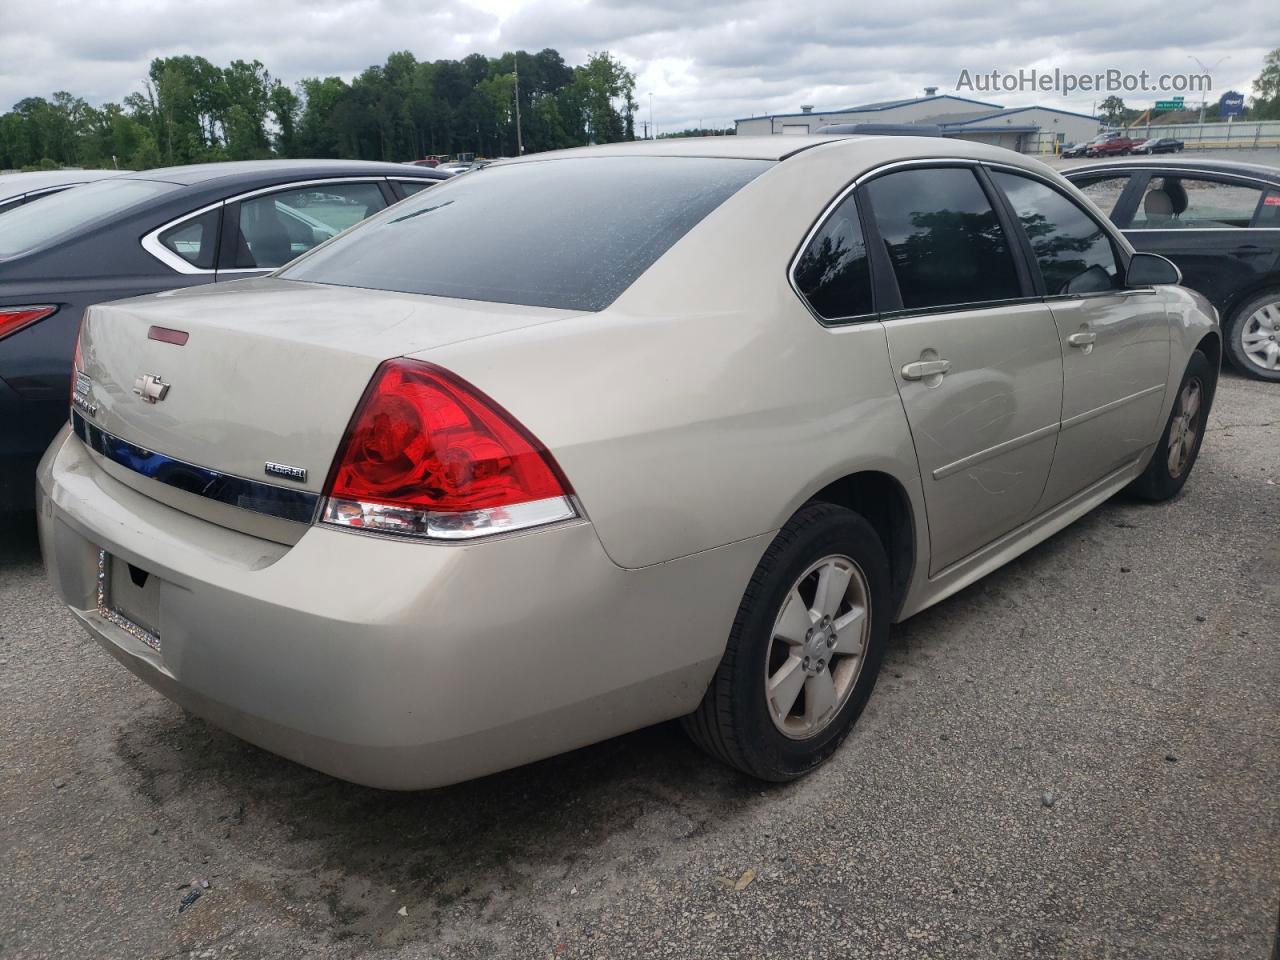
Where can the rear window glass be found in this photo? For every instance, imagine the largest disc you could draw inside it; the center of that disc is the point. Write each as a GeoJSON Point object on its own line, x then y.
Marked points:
{"type": "Point", "coordinates": [34, 225]}
{"type": "Point", "coordinates": [572, 234]}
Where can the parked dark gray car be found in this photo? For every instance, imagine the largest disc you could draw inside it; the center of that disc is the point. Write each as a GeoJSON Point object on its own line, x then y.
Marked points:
{"type": "Point", "coordinates": [145, 232]}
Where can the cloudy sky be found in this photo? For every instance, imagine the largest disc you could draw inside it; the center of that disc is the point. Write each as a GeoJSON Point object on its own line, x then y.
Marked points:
{"type": "Point", "coordinates": [705, 62]}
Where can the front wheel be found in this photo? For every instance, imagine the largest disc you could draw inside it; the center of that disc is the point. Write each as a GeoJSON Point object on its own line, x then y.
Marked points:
{"type": "Point", "coordinates": [804, 651]}
{"type": "Point", "coordinates": [1253, 337]}
{"type": "Point", "coordinates": [1179, 445]}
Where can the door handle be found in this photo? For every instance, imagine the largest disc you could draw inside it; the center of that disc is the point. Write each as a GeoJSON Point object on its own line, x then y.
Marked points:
{"type": "Point", "coordinates": [1251, 250]}
{"type": "Point", "coordinates": [925, 368]}
{"type": "Point", "coordinates": [1082, 339]}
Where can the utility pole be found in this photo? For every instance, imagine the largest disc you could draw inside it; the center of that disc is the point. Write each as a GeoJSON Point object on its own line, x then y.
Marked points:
{"type": "Point", "coordinates": [651, 126]}
{"type": "Point", "coordinates": [519, 138]}
{"type": "Point", "coordinates": [1206, 71]}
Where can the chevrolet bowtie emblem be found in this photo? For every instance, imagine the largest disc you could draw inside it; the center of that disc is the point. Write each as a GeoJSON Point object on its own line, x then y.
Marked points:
{"type": "Point", "coordinates": [150, 388]}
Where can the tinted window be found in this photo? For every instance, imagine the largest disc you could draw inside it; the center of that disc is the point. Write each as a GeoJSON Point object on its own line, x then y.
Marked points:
{"type": "Point", "coordinates": [278, 227]}
{"type": "Point", "coordinates": [37, 224]}
{"type": "Point", "coordinates": [832, 273]}
{"type": "Point", "coordinates": [1186, 202]}
{"type": "Point", "coordinates": [943, 238]}
{"type": "Point", "coordinates": [409, 187]}
{"type": "Point", "coordinates": [571, 233]}
{"type": "Point", "coordinates": [195, 240]}
{"type": "Point", "coordinates": [1074, 252]}
{"type": "Point", "coordinates": [1104, 192]}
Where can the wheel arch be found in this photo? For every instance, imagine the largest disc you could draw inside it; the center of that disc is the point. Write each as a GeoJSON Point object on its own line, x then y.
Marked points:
{"type": "Point", "coordinates": [1269, 283]}
{"type": "Point", "coordinates": [882, 500]}
{"type": "Point", "coordinates": [1211, 346]}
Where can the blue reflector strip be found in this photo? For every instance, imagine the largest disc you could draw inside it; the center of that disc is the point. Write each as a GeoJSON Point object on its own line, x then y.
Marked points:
{"type": "Point", "coordinates": [267, 498]}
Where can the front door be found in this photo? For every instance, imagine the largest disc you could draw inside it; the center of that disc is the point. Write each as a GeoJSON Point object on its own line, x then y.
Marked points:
{"type": "Point", "coordinates": [978, 362]}
{"type": "Point", "coordinates": [1223, 233]}
{"type": "Point", "coordinates": [1115, 341]}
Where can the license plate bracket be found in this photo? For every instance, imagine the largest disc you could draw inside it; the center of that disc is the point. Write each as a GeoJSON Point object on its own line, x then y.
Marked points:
{"type": "Point", "coordinates": [131, 602]}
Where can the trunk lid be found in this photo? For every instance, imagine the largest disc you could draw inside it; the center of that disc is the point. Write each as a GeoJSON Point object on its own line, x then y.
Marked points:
{"type": "Point", "coordinates": [270, 373]}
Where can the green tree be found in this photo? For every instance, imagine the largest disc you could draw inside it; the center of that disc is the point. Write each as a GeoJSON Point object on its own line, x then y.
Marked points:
{"type": "Point", "coordinates": [1112, 110]}
{"type": "Point", "coordinates": [1265, 103]}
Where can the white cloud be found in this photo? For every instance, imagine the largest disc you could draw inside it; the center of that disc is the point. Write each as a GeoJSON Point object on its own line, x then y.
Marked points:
{"type": "Point", "coordinates": [708, 62]}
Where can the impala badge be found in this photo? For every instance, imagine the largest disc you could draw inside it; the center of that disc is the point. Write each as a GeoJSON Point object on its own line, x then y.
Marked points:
{"type": "Point", "coordinates": [150, 388]}
{"type": "Point", "coordinates": [286, 471]}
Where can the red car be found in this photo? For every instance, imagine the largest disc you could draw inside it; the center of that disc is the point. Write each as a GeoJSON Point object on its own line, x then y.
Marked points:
{"type": "Point", "coordinates": [1111, 145]}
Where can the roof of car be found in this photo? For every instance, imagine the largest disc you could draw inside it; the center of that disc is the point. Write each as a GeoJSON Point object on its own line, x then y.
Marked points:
{"type": "Point", "coordinates": [730, 147]}
{"type": "Point", "coordinates": [772, 148]}
{"type": "Point", "coordinates": [15, 184]}
{"type": "Point", "coordinates": [253, 170]}
{"type": "Point", "coordinates": [1213, 166]}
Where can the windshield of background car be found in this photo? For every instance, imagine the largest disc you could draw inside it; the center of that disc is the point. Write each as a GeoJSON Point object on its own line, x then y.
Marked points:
{"type": "Point", "coordinates": [571, 233]}
{"type": "Point", "coordinates": [36, 224]}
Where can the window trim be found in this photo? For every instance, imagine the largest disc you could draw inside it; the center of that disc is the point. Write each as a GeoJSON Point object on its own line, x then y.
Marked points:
{"type": "Point", "coordinates": [882, 272]}
{"type": "Point", "coordinates": [827, 212]}
{"type": "Point", "coordinates": [1142, 173]}
{"type": "Point", "coordinates": [231, 215]}
{"type": "Point", "coordinates": [1120, 252]}
{"type": "Point", "coordinates": [1228, 179]}
{"type": "Point", "coordinates": [151, 240]}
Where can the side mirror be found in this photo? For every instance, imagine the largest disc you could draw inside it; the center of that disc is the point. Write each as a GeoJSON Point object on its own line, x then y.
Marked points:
{"type": "Point", "coordinates": [1150, 269]}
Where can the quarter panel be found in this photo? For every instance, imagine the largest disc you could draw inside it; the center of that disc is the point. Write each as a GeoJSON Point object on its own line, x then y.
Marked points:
{"type": "Point", "coordinates": [706, 404]}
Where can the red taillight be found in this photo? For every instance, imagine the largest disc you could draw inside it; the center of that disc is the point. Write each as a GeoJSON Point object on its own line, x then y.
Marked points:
{"type": "Point", "coordinates": [13, 319]}
{"type": "Point", "coordinates": [427, 454]}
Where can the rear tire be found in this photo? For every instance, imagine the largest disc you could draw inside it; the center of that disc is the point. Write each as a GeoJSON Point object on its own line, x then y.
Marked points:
{"type": "Point", "coordinates": [804, 651]}
{"type": "Point", "coordinates": [1253, 337]}
{"type": "Point", "coordinates": [1179, 445]}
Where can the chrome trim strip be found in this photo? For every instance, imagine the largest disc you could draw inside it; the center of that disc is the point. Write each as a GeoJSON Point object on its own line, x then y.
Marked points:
{"type": "Point", "coordinates": [975, 458]}
{"type": "Point", "coordinates": [1246, 230]}
{"type": "Point", "coordinates": [1163, 169]}
{"type": "Point", "coordinates": [151, 242]}
{"type": "Point", "coordinates": [295, 184]}
{"type": "Point", "coordinates": [1111, 230]}
{"type": "Point", "coordinates": [1088, 415]}
{"type": "Point", "coordinates": [266, 498]}
{"type": "Point", "coordinates": [825, 215]}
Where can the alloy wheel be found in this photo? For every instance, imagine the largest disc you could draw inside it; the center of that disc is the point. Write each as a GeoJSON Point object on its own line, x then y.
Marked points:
{"type": "Point", "coordinates": [1184, 429]}
{"type": "Point", "coordinates": [818, 647]}
{"type": "Point", "coordinates": [1260, 336]}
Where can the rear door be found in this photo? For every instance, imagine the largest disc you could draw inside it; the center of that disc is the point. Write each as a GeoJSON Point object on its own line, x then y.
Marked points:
{"type": "Point", "coordinates": [1115, 341]}
{"type": "Point", "coordinates": [266, 229]}
{"type": "Point", "coordinates": [1222, 232]}
{"type": "Point", "coordinates": [975, 352]}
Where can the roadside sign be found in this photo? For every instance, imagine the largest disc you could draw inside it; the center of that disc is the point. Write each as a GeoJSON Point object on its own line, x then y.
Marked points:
{"type": "Point", "coordinates": [1231, 104]}
{"type": "Point", "coordinates": [1174, 104]}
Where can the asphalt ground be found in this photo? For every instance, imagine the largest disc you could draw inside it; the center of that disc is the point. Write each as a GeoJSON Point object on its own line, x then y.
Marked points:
{"type": "Point", "coordinates": [1076, 757]}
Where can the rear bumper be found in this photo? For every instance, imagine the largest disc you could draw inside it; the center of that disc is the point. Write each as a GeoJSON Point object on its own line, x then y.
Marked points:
{"type": "Point", "coordinates": [391, 663]}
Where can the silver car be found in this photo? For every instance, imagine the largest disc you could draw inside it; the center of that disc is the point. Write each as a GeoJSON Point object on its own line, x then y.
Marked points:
{"type": "Point", "coordinates": [590, 440]}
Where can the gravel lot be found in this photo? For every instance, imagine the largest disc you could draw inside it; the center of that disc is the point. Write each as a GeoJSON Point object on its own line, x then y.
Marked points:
{"type": "Point", "coordinates": [1127, 668]}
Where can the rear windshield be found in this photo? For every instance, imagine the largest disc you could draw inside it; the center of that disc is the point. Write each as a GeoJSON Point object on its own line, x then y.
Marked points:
{"type": "Point", "coordinates": [46, 219]}
{"type": "Point", "coordinates": [571, 233]}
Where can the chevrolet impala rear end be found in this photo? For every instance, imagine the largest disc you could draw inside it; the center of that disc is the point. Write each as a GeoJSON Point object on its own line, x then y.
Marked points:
{"type": "Point", "coordinates": [584, 442]}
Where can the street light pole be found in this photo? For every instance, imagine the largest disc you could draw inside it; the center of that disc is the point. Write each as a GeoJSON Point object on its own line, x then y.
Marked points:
{"type": "Point", "coordinates": [1206, 71]}
{"type": "Point", "coordinates": [651, 126]}
{"type": "Point", "coordinates": [519, 137]}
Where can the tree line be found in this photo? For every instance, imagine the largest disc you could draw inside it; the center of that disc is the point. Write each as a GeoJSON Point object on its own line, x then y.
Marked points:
{"type": "Point", "coordinates": [190, 110]}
